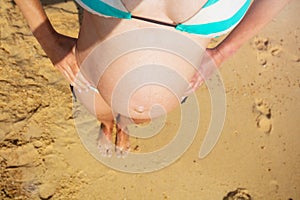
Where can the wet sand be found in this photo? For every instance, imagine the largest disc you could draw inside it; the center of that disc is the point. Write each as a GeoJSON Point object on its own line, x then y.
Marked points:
{"type": "Point", "coordinates": [42, 157]}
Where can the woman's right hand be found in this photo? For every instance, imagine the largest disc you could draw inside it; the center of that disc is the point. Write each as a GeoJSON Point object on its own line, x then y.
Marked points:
{"type": "Point", "coordinates": [59, 48]}
{"type": "Point", "coordinates": [61, 51]}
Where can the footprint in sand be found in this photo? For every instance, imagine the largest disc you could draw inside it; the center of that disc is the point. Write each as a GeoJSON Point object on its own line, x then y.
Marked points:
{"type": "Point", "coordinates": [261, 44]}
{"type": "Point", "coordinates": [264, 124]}
{"type": "Point", "coordinates": [275, 51]}
{"type": "Point", "coordinates": [238, 194]}
{"type": "Point", "coordinates": [264, 118]}
{"type": "Point", "coordinates": [265, 48]}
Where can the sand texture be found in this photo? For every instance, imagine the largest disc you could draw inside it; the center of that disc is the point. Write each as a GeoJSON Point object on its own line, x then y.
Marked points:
{"type": "Point", "coordinates": [257, 156]}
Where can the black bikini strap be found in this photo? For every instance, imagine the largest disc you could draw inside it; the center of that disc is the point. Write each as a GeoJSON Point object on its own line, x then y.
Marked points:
{"type": "Point", "coordinates": [153, 21]}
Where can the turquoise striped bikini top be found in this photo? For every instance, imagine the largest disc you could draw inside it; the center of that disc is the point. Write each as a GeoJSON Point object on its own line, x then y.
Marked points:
{"type": "Point", "coordinates": [217, 17]}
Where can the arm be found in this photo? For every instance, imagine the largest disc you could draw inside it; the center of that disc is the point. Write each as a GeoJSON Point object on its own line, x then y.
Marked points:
{"type": "Point", "coordinates": [258, 15]}
{"type": "Point", "coordinates": [36, 17]}
{"type": "Point", "coordinates": [59, 48]}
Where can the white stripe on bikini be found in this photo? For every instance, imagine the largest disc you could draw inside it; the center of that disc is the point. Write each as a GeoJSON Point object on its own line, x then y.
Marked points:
{"type": "Point", "coordinates": [116, 4]}
{"type": "Point", "coordinates": [222, 10]}
{"type": "Point", "coordinates": [88, 9]}
{"type": "Point", "coordinates": [213, 35]}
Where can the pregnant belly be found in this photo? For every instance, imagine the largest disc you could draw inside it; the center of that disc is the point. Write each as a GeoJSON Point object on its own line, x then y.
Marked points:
{"type": "Point", "coordinates": [143, 73]}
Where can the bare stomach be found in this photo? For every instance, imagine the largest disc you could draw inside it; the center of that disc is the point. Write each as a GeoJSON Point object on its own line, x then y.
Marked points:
{"type": "Point", "coordinates": [141, 69]}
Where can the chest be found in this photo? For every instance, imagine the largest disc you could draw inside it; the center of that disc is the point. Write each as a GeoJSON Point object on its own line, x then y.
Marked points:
{"type": "Point", "coordinates": [171, 11]}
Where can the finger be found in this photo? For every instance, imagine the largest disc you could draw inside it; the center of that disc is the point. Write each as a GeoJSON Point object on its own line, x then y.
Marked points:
{"type": "Point", "coordinates": [199, 79]}
{"type": "Point", "coordinates": [188, 92]}
{"type": "Point", "coordinates": [198, 85]}
{"type": "Point", "coordinates": [72, 70]}
{"type": "Point", "coordinates": [79, 79]}
{"type": "Point", "coordinates": [70, 74]}
{"type": "Point", "coordinates": [73, 64]}
{"type": "Point", "coordinates": [190, 89]}
{"type": "Point", "coordinates": [67, 77]}
{"type": "Point", "coordinates": [83, 84]}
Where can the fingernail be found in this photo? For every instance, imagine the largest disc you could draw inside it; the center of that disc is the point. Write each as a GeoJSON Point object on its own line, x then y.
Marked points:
{"type": "Point", "coordinates": [92, 88]}
{"type": "Point", "coordinates": [189, 86]}
{"type": "Point", "coordinates": [86, 83]}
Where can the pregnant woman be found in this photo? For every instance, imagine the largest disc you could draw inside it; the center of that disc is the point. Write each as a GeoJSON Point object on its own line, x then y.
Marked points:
{"type": "Point", "coordinates": [80, 61]}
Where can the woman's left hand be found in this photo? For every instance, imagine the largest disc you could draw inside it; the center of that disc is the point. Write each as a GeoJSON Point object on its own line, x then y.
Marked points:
{"type": "Point", "coordinates": [211, 61]}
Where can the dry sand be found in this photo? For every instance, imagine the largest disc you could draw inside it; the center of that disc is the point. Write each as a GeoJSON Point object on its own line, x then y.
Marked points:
{"type": "Point", "coordinates": [41, 156]}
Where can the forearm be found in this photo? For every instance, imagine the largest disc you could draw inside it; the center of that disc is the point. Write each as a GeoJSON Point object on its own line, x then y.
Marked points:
{"type": "Point", "coordinates": [55, 45]}
{"type": "Point", "coordinates": [36, 18]}
{"type": "Point", "coordinates": [58, 47]}
{"type": "Point", "coordinates": [259, 14]}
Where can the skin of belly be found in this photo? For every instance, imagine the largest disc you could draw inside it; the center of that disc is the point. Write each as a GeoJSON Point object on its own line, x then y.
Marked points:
{"type": "Point", "coordinates": [95, 30]}
{"type": "Point", "coordinates": [145, 96]}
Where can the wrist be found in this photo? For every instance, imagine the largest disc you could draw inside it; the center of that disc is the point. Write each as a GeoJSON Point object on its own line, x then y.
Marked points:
{"type": "Point", "coordinates": [226, 50]}
{"type": "Point", "coordinates": [48, 39]}
{"type": "Point", "coordinates": [57, 46]}
{"type": "Point", "coordinates": [45, 32]}
{"type": "Point", "coordinates": [216, 55]}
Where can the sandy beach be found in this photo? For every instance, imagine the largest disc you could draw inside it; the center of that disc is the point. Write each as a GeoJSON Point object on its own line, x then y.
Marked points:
{"type": "Point", "coordinates": [257, 156]}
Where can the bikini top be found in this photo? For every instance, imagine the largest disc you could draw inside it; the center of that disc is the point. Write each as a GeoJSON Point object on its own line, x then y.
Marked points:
{"type": "Point", "coordinates": [215, 18]}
